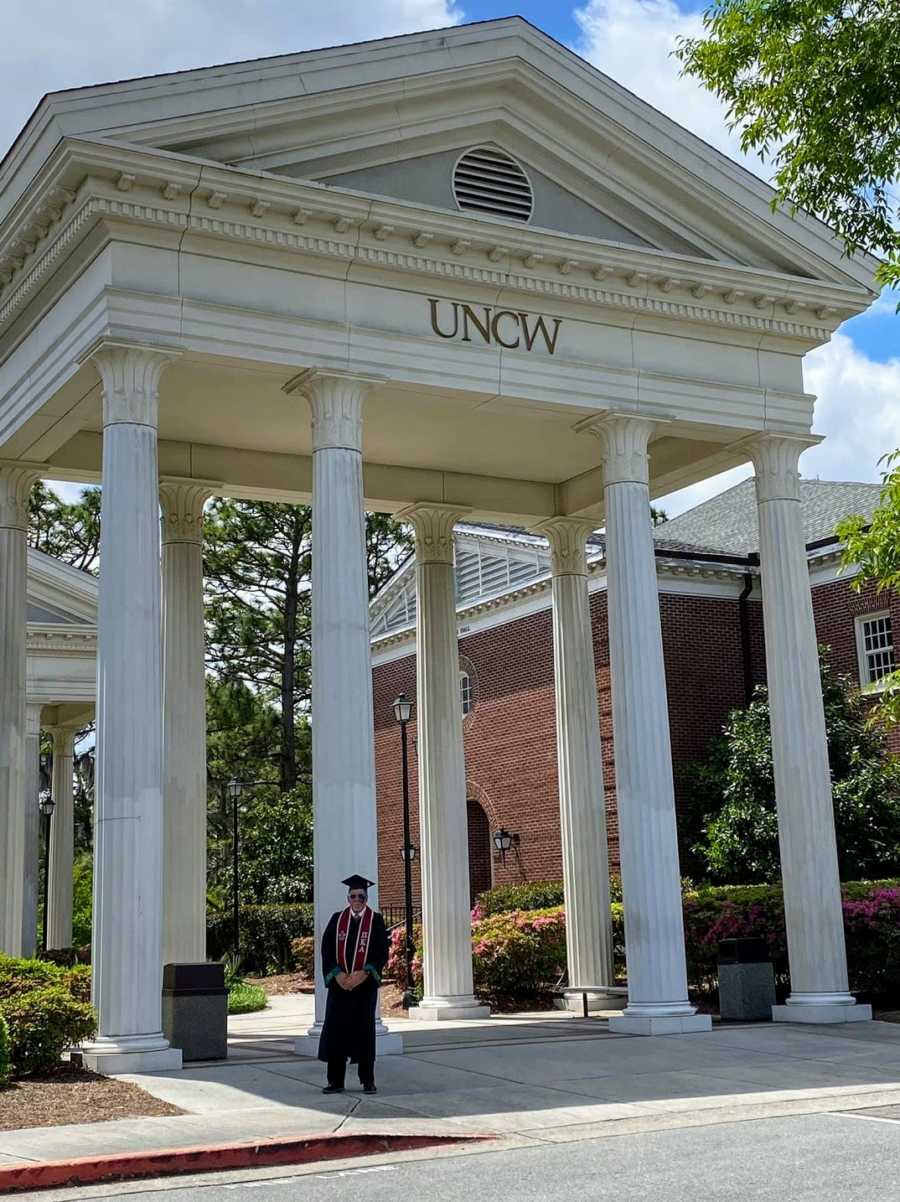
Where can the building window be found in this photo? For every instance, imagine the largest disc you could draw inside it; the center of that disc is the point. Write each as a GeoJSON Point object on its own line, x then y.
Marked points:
{"type": "Point", "coordinates": [465, 693]}
{"type": "Point", "coordinates": [874, 647]}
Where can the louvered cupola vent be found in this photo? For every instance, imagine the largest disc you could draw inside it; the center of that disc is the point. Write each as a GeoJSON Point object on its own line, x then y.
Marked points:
{"type": "Point", "coordinates": [487, 180]}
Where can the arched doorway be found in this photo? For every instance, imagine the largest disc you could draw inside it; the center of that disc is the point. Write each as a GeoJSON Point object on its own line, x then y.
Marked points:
{"type": "Point", "coordinates": [481, 873]}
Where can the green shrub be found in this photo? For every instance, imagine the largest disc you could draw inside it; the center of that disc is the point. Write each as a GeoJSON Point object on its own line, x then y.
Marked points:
{"type": "Point", "coordinates": [244, 999]}
{"type": "Point", "coordinates": [5, 1066]}
{"type": "Point", "coordinates": [533, 895]}
{"type": "Point", "coordinates": [266, 933]}
{"type": "Point", "coordinates": [47, 1009]}
{"type": "Point", "coordinates": [82, 900]}
{"type": "Point", "coordinates": [304, 950]}
{"type": "Point", "coordinates": [42, 1023]}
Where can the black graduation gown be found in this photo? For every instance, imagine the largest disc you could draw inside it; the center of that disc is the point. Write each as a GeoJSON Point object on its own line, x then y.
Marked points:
{"type": "Point", "coordinates": [349, 1027]}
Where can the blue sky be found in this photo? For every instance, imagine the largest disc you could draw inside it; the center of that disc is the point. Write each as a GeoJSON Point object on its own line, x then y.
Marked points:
{"type": "Point", "coordinates": [51, 44]}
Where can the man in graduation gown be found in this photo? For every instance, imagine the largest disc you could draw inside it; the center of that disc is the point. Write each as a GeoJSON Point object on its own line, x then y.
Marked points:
{"type": "Point", "coordinates": [354, 953]}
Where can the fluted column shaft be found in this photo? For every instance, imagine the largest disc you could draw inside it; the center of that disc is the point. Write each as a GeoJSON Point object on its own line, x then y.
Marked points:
{"type": "Point", "coordinates": [343, 740]}
{"type": "Point", "coordinates": [582, 806]}
{"type": "Point", "coordinates": [128, 823]}
{"type": "Point", "coordinates": [184, 724]}
{"type": "Point", "coordinates": [62, 840]}
{"type": "Point", "coordinates": [15, 485]}
{"type": "Point", "coordinates": [31, 829]}
{"type": "Point", "coordinates": [443, 823]}
{"type": "Point", "coordinates": [648, 841]}
{"type": "Point", "coordinates": [809, 864]}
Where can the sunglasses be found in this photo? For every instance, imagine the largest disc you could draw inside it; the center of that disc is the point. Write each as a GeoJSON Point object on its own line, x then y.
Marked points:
{"type": "Point", "coordinates": [357, 896]}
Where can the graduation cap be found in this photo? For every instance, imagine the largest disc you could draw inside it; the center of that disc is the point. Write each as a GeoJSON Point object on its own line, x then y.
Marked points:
{"type": "Point", "coordinates": [357, 882]}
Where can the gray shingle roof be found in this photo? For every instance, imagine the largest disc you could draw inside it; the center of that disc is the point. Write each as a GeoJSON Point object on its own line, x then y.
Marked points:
{"type": "Point", "coordinates": [727, 522]}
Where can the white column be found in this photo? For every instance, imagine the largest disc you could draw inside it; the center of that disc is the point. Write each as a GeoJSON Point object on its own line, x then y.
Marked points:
{"type": "Point", "coordinates": [184, 724]}
{"type": "Point", "coordinates": [62, 839]}
{"type": "Point", "coordinates": [648, 841]}
{"type": "Point", "coordinates": [128, 826]}
{"type": "Point", "coordinates": [582, 806]}
{"type": "Point", "coordinates": [15, 485]}
{"type": "Point", "coordinates": [443, 826]}
{"type": "Point", "coordinates": [31, 829]}
{"type": "Point", "coordinates": [809, 864]}
{"type": "Point", "coordinates": [343, 747]}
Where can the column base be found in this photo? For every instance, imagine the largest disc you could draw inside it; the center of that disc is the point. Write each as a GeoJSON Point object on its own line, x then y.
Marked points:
{"type": "Point", "coordinates": [822, 1012]}
{"type": "Point", "coordinates": [390, 1043]}
{"type": "Point", "coordinates": [599, 998]}
{"type": "Point", "coordinates": [143, 1054]}
{"type": "Point", "coordinates": [644, 1025]}
{"type": "Point", "coordinates": [436, 1009]}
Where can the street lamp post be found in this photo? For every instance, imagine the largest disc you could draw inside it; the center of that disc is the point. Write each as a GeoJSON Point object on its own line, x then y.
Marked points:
{"type": "Point", "coordinates": [403, 713]}
{"type": "Point", "coordinates": [234, 789]}
{"type": "Point", "coordinates": [47, 805]}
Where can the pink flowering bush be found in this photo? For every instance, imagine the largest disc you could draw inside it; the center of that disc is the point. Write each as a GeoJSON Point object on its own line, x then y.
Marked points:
{"type": "Point", "coordinates": [517, 956]}
{"type": "Point", "coordinates": [520, 954]}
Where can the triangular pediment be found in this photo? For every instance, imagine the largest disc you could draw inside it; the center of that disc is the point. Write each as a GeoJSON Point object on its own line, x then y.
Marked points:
{"type": "Point", "coordinates": [389, 118]}
{"type": "Point", "coordinates": [58, 594]}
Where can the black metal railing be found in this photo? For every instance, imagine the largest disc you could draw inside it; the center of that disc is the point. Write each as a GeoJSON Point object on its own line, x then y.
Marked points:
{"type": "Point", "coordinates": [395, 916]}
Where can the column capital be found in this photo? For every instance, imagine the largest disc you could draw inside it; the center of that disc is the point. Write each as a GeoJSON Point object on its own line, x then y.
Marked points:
{"type": "Point", "coordinates": [130, 373]}
{"type": "Point", "coordinates": [16, 482]}
{"type": "Point", "coordinates": [182, 509]}
{"type": "Point", "coordinates": [775, 460]}
{"type": "Point", "coordinates": [433, 525]}
{"type": "Point", "coordinates": [625, 438]}
{"type": "Point", "coordinates": [336, 401]}
{"type": "Point", "coordinates": [567, 538]}
{"type": "Point", "coordinates": [63, 739]}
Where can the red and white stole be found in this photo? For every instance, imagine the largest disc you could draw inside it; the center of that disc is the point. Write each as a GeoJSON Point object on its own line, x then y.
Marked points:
{"type": "Point", "coordinates": [364, 930]}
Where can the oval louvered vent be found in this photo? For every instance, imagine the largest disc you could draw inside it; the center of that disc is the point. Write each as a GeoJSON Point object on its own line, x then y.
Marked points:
{"type": "Point", "coordinates": [487, 180]}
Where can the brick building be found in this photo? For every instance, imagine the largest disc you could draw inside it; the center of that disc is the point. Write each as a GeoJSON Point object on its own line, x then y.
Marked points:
{"type": "Point", "coordinates": [711, 614]}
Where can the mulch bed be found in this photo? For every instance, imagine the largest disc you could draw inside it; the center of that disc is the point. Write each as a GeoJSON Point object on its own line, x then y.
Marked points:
{"type": "Point", "coordinates": [74, 1095]}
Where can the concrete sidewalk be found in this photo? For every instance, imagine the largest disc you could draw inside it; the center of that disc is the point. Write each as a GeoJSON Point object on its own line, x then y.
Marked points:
{"type": "Point", "coordinates": [545, 1076]}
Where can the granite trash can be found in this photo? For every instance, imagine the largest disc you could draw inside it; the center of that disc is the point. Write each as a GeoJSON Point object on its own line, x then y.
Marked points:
{"type": "Point", "coordinates": [195, 1010]}
{"type": "Point", "coordinates": [746, 980]}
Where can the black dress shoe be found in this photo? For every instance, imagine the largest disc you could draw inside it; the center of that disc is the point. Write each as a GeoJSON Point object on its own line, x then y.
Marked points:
{"type": "Point", "coordinates": [370, 1088]}
{"type": "Point", "coordinates": [333, 1089]}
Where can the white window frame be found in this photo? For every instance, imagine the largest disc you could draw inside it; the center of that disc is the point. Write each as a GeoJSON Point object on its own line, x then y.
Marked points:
{"type": "Point", "coordinates": [465, 693]}
{"type": "Point", "coordinates": [862, 656]}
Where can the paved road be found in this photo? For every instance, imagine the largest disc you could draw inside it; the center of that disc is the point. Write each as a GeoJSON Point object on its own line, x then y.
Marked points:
{"type": "Point", "coordinates": [824, 1157]}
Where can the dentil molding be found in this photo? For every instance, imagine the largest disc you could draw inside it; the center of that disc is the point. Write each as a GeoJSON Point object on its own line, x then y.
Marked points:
{"type": "Point", "coordinates": [406, 244]}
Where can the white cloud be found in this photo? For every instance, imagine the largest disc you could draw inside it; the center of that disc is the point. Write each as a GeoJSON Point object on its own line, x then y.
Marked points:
{"type": "Point", "coordinates": [632, 41]}
{"type": "Point", "coordinates": [858, 410]}
{"type": "Point", "coordinates": [53, 44]}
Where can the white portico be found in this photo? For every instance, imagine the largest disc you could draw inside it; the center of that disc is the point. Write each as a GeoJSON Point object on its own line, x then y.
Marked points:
{"type": "Point", "coordinates": [456, 273]}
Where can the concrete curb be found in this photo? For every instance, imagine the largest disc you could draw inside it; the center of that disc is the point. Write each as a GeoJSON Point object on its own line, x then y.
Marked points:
{"type": "Point", "coordinates": [165, 1162]}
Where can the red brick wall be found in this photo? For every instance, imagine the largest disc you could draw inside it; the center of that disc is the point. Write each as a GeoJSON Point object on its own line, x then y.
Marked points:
{"type": "Point", "coordinates": [510, 735]}
{"type": "Point", "coordinates": [835, 608]}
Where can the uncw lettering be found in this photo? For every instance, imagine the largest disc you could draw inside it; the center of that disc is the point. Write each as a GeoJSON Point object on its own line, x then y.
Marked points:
{"type": "Point", "coordinates": [509, 328]}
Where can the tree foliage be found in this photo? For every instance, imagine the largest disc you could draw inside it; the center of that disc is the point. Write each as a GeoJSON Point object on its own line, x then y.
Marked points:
{"type": "Point", "coordinates": [873, 545]}
{"type": "Point", "coordinates": [730, 829]}
{"type": "Point", "coordinates": [812, 86]}
{"type": "Point", "coordinates": [69, 531]}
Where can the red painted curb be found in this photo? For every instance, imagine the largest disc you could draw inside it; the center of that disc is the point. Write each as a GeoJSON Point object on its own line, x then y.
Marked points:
{"type": "Point", "coordinates": [166, 1162]}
